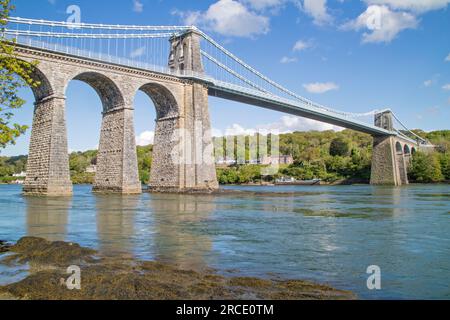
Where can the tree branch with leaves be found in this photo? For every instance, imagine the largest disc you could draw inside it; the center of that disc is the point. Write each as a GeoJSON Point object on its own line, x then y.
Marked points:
{"type": "Point", "coordinates": [14, 75]}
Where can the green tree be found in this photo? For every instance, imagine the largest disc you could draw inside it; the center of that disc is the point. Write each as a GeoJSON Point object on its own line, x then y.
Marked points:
{"type": "Point", "coordinates": [144, 155]}
{"type": "Point", "coordinates": [339, 147]}
{"type": "Point", "coordinates": [425, 168]}
{"type": "Point", "coordinates": [445, 165]}
{"type": "Point", "coordinates": [14, 74]}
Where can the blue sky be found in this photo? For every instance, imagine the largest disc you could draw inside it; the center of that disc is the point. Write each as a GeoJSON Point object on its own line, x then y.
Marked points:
{"type": "Point", "coordinates": [355, 55]}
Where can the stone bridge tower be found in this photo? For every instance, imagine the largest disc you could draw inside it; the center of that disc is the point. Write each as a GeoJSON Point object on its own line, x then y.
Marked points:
{"type": "Point", "coordinates": [185, 135]}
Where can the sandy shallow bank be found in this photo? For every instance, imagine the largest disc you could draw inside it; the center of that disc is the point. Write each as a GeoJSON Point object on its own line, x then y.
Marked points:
{"type": "Point", "coordinates": [124, 278]}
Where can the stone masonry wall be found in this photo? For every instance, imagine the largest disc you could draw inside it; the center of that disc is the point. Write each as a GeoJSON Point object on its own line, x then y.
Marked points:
{"type": "Point", "coordinates": [48, 161]}
{"type": "Point", "coordinates": [117, 160]}
{"type": "Point", "coordinates": [389, 167]}
{"type": "Point", "coordinates": [384, 168]}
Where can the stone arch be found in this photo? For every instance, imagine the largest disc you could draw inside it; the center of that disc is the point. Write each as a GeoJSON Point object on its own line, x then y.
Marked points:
{"type": "Point", "coordinates": [399, 148]}
{"type": "Point", "coordinates": [116, 160]}
{"type": "Point", "coordinates": [164, 101]}
{"type": "Point", "coordinates": [413, 150]}
{"type": "Point", "coordinates": [45, 88]}
{"type": "Point", "coordinates": [109, 93]}
{"type": "Point", "coordinates": [407, 150]}
{"type": "Point", "coordinates": [165, 172]}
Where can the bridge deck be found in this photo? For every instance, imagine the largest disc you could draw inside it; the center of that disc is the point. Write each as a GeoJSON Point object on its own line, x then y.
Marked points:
{"type": "Point", "coordinates": [267, 101]}
{"type": "Point", "coordinates": [245, 95]}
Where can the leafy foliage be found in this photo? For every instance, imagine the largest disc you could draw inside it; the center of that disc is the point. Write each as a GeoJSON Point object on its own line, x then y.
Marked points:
{"type": "Point", "coordinates": [144, 155]}
{"type": "Point", "coordinates": [445, 165]}
{"type": "Point", "coordinates": [14, 74]}
{"type": "Point", "coordinates": [426, 168]}
{"type": "Point", "coordinates": [339, 147]}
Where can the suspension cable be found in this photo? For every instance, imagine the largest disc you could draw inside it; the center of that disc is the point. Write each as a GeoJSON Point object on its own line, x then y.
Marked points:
{"type": "Point", "coordinates": [408, 130]}
{"type": "Point", "coordinates": [95, 26]}
{"type": "Point", "coordinates": [86, 35]}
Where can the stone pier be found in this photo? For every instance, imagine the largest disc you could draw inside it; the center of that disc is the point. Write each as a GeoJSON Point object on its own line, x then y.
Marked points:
{"type": "Point", "coordinates": [389, 163]}
{"type": "Point", "coordinates": [48, 159]}
{"type": "Point", "coordinates": [117, 170]}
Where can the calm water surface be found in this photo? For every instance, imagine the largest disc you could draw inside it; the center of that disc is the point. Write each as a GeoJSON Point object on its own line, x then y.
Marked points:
{"type": "Point", "coordinates": [326, 234]}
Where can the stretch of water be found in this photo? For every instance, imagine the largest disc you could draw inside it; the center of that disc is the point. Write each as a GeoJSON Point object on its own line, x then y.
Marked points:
{"type": "Point", "coordinates": [325, 234]}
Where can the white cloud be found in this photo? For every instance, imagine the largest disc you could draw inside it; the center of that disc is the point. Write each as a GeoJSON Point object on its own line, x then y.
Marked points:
{"type": "Point", "coordinates": [318, 10]}
{"type": "Point", "coordinates": [428, 83]}
{"type": "Point", "coordinates": [145, 138]}
{"type": "Point", "coordinates": [446, 87]}
{"type": "Point", "coordinates": [383, 24]}
{"type": "Point", "coordinates": [138, 6]}
{"type": "Point", "coordinates": [286, 60]}
{"type": "Point", "coordinates": [448, 58]}
{"type": "Point", "coordinates": [320, 87]}
{"type": "Point", "coordinates": [301, 45]}
{"type": "Point", "coordinates": [229, 18]}
{"type": "Point", "coordinates": [418, 6]}
{"type": "Point", "coordinates": [286, 124]}
{"type": "Point", "coordinates": [139, 52]}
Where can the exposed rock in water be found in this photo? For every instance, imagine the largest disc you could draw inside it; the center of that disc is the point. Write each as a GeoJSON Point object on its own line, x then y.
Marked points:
{"type": "Point", "coordinates": [4, 246]}
{"type": "Point", "coordinates": [41, 251]}
{"type": "Point", "coordinates": [121, 278]}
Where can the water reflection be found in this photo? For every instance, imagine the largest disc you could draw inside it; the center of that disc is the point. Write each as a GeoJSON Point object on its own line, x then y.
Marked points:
{"type": "Point", "coordinates": [115, 222]}
{"type": "Point", "coordinates": [47, 217]}
{"type": "Point", "coordinates": [179, 221]}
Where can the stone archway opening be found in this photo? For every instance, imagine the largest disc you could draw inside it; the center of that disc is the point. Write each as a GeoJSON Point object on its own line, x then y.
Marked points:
{"type": "Point", "coordinates": [44, 89]}
{"type": "Point", "coordinates": [407, 150]}
{"type": "Point", "coordinates": [114, 163]}
{"type": "Point", "coordinates": [165, 103]}
{"type": "Point", "coordinates": [157, 166]}
{"type": "Point", "coordinates": [88, 96]}
{"type": "Point", "coordinates": [399, 148]}
{"type": "Point", "coordinates": [107, 90]}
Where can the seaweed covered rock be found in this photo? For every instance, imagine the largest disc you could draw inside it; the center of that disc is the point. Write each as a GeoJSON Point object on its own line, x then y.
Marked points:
{"type": "Point", "coordinates": [4, 246]}
{"type": "Point", "coordinates": [121, 278]}
{"type": "Point", "coordinates": [41, 251]}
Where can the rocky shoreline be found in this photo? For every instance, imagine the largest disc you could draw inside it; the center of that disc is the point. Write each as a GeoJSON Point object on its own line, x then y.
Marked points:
{"type": "Point", "coordinates": [122, 278]}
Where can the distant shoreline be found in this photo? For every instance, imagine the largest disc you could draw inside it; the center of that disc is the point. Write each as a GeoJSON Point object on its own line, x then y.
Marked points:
{"type": "Point", "coordinates": [321, 184]}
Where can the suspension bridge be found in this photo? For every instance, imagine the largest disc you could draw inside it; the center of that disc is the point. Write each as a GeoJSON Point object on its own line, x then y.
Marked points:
{"type": "Point", "coordinates": [178, 67]}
